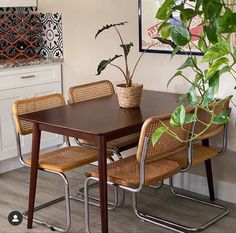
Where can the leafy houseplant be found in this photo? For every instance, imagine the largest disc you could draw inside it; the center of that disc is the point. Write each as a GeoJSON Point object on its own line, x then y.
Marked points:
{"type": "Point", "coordinates": [129, 94]}
{"type": "Point", "coordinates": [218, 24]}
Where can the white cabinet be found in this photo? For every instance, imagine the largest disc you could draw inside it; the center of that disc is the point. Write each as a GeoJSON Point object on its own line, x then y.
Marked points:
{"type": "Point", "coordinates": [20, 83]}
{"type": "Point", "coordinates": [17, 3]}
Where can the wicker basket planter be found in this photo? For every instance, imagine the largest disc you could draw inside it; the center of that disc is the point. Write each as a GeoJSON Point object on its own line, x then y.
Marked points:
{"type": "Point", "coordinates": [129, 97]}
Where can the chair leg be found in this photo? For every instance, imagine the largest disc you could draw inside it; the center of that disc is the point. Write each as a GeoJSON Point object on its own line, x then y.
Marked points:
{"type": "Point", "coordinates": [67, 202]}
{"type": "Point", "coordinates": [208, 167]}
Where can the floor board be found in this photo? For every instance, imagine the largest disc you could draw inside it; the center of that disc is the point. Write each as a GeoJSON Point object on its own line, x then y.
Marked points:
{"type": "Point", "coordinates": [14, 192]}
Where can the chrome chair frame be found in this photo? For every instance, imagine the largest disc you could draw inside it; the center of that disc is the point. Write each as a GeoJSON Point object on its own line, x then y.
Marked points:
{"type": "Point", "coordinates": [153, 219]}
{"type": "Point", "coordinates": [67, 197]}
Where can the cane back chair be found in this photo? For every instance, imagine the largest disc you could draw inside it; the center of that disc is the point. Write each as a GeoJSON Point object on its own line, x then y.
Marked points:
{"type": "Point", "coordinates": [202, 154]}
{"type": "Point", "coordinates": [153, 164]}
{"type": "Point", "coordinates": [96, 90]}
{"type": "Point", "coordinates": [57, 161]}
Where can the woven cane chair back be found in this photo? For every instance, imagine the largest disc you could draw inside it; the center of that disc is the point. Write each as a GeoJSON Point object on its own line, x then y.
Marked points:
{"type": "Point", "coordinates": [34, 104]}
{"type": "Point", "coordinates": [90, 91]}
{"type": "Point", "coordinates": [205, 117]}
{"type": "Point", "coordinates": [167, 144]}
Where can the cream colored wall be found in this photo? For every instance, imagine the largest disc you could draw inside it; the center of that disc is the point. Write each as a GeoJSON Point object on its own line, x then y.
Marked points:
{"type": "Point", "coordinates": [82, 18]}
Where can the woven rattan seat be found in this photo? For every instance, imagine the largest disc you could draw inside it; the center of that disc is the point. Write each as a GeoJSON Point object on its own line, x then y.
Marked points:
{"type": "Point", "coordinates": [67, 158]}
{"type": "Point", "coordinates": [96, 90]}
{"type": "Point", "coordinates": [200, 154]}
{"type": "Point", "coordinates": [126, 171]}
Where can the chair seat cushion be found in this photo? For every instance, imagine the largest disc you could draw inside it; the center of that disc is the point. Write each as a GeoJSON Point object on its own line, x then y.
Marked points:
{"type": "Point", "coordinates": [200, 154]}
{"type": "Point", "coordinates": [126, 171]}
{"type": "Point", "coordinates": [67, 158]}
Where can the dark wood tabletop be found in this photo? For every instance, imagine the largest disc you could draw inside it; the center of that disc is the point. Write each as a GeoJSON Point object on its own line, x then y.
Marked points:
{"type": "Point", "coordinates": [100, 120]}
{"type": "Point", "coordinates": [104, 116]}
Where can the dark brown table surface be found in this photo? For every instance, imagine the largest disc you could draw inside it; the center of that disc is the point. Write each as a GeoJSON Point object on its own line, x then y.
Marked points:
{"type": "Point", "coordinates": [100, 120]}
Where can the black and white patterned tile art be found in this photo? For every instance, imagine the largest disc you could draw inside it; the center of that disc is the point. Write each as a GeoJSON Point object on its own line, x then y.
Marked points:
{"type": "Point", "coordinates": [51, 35]}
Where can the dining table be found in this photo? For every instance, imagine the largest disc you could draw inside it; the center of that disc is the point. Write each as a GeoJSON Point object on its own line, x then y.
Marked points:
{"type": "Point", "coordinates": [99, 120]}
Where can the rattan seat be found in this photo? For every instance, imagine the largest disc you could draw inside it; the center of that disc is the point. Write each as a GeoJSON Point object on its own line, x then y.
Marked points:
{"type": "Point", "coordinates": [67, 158]}
{"type": "Point", "coordinates": [200, 154]}
{"type": "Point", "coordinates": [126, 171]}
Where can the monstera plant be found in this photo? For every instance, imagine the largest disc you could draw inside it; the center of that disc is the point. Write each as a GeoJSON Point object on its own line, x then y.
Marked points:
{"type": "Point", "coordinates": [217, 25]}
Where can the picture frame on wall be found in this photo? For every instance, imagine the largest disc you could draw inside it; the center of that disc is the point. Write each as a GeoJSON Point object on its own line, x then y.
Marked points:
{"type": "Point", "coordinates": [148, 29]}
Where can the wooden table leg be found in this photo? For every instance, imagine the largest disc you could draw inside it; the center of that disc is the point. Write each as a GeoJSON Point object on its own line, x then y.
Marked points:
{"type": "Point", "coordinates": [33, 174]}
{"type": "Point", "coordinates": [102, 165]}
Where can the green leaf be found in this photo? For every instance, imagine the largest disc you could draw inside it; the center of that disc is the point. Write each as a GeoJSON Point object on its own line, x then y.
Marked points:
{"type": "Point", "coordinates": [215, 66]}
{"type": "Point", "coordinates": [211, 30]}
{"type": "Point", "coordinates": [190, 118]}
{"type": "Point", "coordinates": [212, 90]}
{"type": "Point", "coordinates": [223, 118]}
{"type": "Point", "coordinates": [188, 63]}
{"type": "Point", "coordinates": [178, 73]}
{"type": "Point", "coordinates": [227, 23]}
{"type": "Point", "coordinates": [103, 64]}
{"type": "Point", "coordinates": [180, 35]}
{"type": "Point", "coordinates": [225, 69]}
{"type": "Point", "coordinates": [165, 30]}
{"type": "Point", "coordinates": [198, 77]}
{"type": "Point", "coordinates": [192, 96]}
{"type": "Point", "coordinates": [216, 51]}
{"type": "Point", "coordinates": [212, 8]}
{"type": "Point", "coordinates": [165, 10]}
{"type": "Point", "coordinates": [187, 14]}
{"type": "Point", "coordinates": [109, 26]}
{"type": "Point", "coordinates": [126, 48]}
{"type": "Point", "coordinates": [176, 50]}
{"type": "Point", "coordinates": [157, 134]}
{"type": "Point", "coordinates": [178, 116]}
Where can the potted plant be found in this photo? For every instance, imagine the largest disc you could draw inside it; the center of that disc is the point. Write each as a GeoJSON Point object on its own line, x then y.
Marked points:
{"type": "Point", "coordinates": [217, 25]}
{"type": "Point", "coordinates": [129, 94]}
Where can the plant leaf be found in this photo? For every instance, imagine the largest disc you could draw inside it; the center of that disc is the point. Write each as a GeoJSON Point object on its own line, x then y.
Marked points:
{"type": "Point", "coordinates": [165, 30]}
{"type": "Point", "coordinates": [178, 73]}
{"type": "Point", "coordinates": [192, 96]}
{"type": "Point", "coordinates": [109, 26]}
{"type": "Point", "coordinates": [126, 48]}
{"type": "Point", "coordinates": [157, 134]}
{"type": "Point", "coordinates": [165, 10]}
{"type": "Point", "coordinates": [188, 63]}
{"type": "Point", "coordinates": [190, 118]}
{"type": "Point", "coordinates": [215, 66]}
{"type": "Point", "coordinates": [216, 51]}
{"type": "Point", "coordinates": [222, 118]}
{"type": "Point", "coordinates": [178, 116]}
{"type": "Point", "coordinates": [103, 64]}
{"type": "Point", "coordinates": [180, 35]}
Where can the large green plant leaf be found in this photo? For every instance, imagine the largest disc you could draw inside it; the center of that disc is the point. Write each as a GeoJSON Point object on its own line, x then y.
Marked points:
{"type": "Point", "coordinates": [192, 96]}
{"type": "Point", "coordinates": [165, 10]}
{"type": "Point", "coordinates": [216, 51]}
{"type": "Point", "coordinates": [187, 14]}
{"type": "Point", "coordinates": [227, 22]}
{"type": "Point", "coordinates": [212, 90]}
{"type": "Point", "coordinates": [165, 30]}
{"type": "Point", "coordinates": [178, 117]}
{"type": "Point", "coordinates": [211, 30]}
{"type": "Point", "coordinates": [103, 64]}
{"type": "Point", "coordinates": [126, 48]}
{"type": "Point", "coordinates": [215, 66]}
{"type": "Point", "coordinates": [212, 8]}
{"type": "Point", "coordinates": [157, 134]}
{"type": "Point", "coordinates": [180, 35]}
{"type": "Point", "coordinates": [109, 26]}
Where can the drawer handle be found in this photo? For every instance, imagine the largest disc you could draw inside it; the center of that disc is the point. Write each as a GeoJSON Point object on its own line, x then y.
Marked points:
{"type": "Point", "coordinates": [28, 76]}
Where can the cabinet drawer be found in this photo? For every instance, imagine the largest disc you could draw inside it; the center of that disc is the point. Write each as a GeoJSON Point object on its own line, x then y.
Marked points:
{"type": "Point", "coordinates": [29, 76]}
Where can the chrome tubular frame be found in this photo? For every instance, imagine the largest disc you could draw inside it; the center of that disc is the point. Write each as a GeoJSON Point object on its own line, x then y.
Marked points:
{"type": "Point", "coordinates": [152, 219]}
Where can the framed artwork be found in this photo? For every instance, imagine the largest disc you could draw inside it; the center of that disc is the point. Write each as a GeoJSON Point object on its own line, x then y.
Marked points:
{"type": "Point", "coordinates": [148, 29]}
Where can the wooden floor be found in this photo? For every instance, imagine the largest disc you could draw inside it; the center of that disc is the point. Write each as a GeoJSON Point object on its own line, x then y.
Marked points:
{"type": "Point", "coordinates": [14, 192]}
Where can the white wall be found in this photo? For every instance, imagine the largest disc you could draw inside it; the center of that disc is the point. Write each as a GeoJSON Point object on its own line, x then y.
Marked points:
{"type": "Point", "coordinates": [82, 19]}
